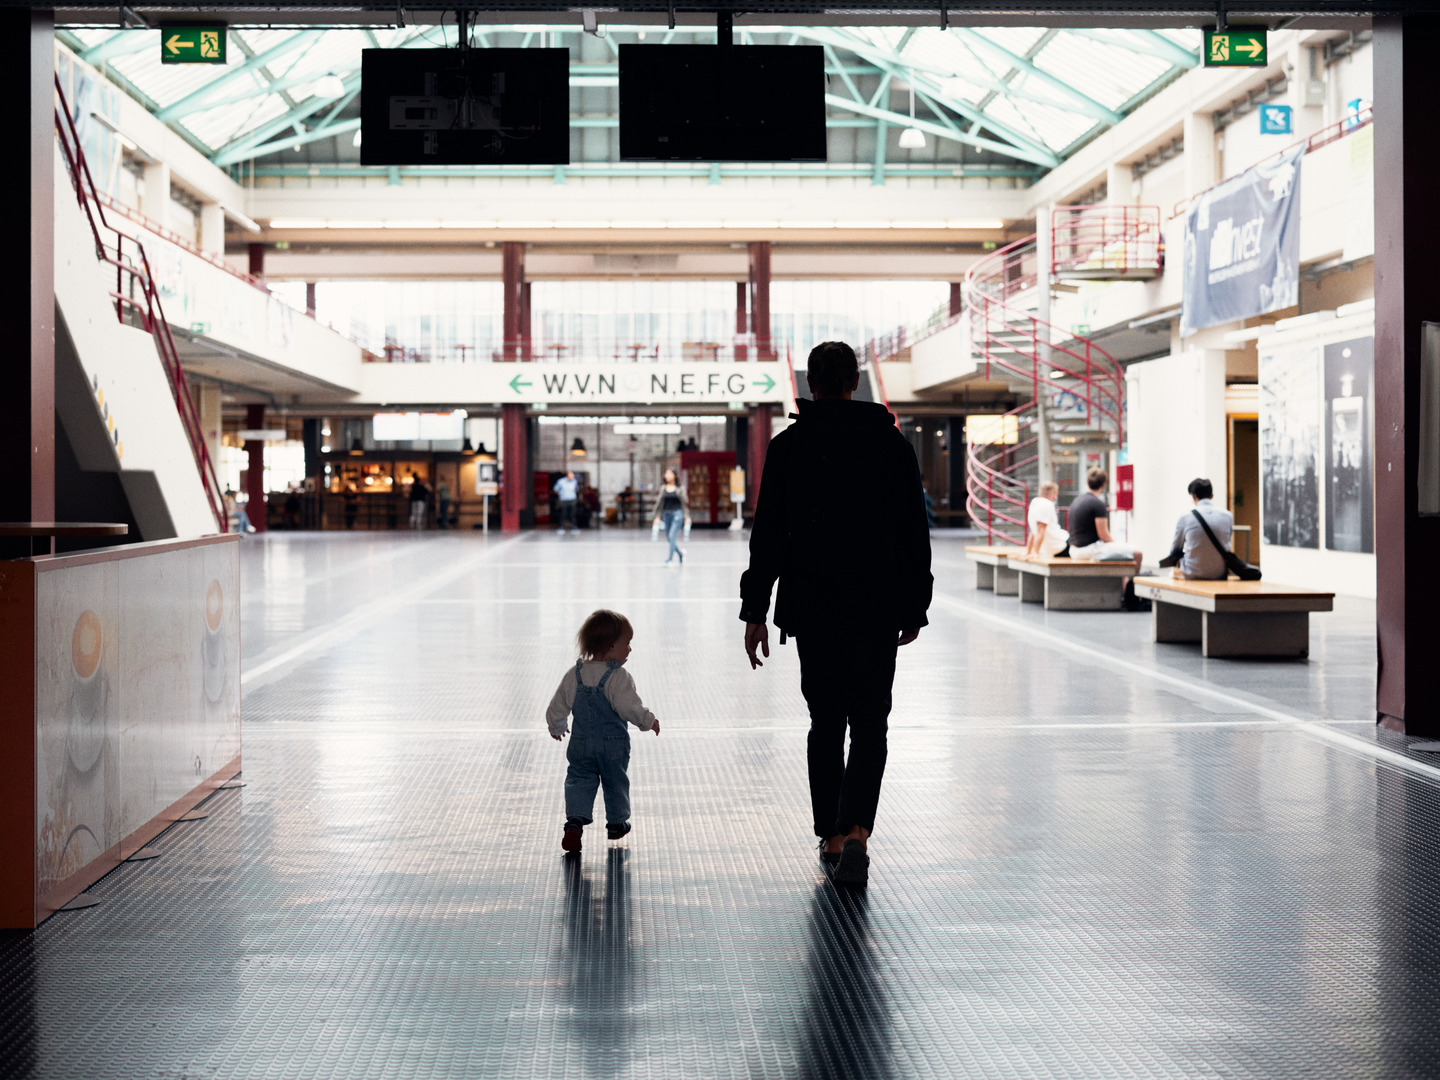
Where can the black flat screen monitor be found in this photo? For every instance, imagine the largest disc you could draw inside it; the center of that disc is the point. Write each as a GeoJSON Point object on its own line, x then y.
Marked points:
{"type": "Point", "coordinates": [465, 107]}
{"type": "Point", "coordinates": [722, 103]}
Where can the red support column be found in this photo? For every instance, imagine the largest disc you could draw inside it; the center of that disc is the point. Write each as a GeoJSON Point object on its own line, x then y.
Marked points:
{"type": "Point", "coordinates": [760, 415]}
{"type": "Point", "coordinates": [1407, 276]}
{"type": "Point", "coordinates": [514, 433]}
{"type": "Point", "coordinates": [255, 469]}
{"type": "Point", "coordinates": [27, 407]}
{"type": "Point", "coordinates": [955, 299]}
{"type": "Point", "coordinates": [257, 261]}
{"type": "Point", "coordinates": [742, 319]}
{"type": "Point", "coordinates": [760, 297]}
{"type": "Point", "coordinates": [310, 298]}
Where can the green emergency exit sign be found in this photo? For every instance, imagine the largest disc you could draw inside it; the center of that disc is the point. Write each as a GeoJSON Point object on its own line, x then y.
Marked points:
{"type": "Point", "coordinates": [192, 45]}
{"type": "Point", "coordinates": [1235, 48]}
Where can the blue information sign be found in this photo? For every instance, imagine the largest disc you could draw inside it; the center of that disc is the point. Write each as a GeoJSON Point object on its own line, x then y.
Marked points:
{"type": "Point", "coordinates": [1274, 119]}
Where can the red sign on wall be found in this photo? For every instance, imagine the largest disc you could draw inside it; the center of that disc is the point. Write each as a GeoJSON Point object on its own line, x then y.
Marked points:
{"type": "Point", "coordinates": [1124, 487]}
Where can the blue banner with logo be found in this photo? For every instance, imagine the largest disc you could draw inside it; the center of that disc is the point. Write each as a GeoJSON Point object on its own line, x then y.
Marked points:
{"type": "Point", "coordinates": [1242, 246]}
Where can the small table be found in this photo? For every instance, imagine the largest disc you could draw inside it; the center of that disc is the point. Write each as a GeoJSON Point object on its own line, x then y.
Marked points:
{"type": "Point", "coordinates": [52, 529]}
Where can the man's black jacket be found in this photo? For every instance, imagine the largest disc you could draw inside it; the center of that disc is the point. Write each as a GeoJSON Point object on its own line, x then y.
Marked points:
{"type": "Point", "coordinates": [841, 523]}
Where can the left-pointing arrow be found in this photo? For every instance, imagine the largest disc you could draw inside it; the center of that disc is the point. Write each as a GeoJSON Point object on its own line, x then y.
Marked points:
{"type": "Point", "coordinates": [517, 382]}
{"type": "Point", "coordinates": [174, 44]}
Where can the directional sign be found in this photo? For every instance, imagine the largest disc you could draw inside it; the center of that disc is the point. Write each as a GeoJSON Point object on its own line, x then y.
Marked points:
{"type": "Point", "coordinates": [600, 384]}
{"type": "Point", "coordinates": [192, 45]}
{"type": "Point", "coordinates": [1235, 48]}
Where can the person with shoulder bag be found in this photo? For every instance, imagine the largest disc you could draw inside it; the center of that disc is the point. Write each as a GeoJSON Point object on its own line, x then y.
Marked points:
{"type": "Point", "coordinates": [1198, 547]}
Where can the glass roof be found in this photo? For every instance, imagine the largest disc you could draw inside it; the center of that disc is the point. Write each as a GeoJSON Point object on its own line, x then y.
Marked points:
{"type": "Point", "coordinates": [1026, 95]}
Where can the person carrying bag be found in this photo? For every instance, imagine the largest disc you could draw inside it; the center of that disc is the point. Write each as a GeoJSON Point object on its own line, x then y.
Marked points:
{"type": "Point", "coordinates": [1233, 563]}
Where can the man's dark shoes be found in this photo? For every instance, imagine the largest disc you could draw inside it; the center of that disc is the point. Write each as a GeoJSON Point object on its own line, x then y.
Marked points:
{"type": "Point", "coordinates": [829, 858]}
{"type": "Point", "coordinates": [854, 865]}
{"type": "Point", "coordinates": [615, 832]}
{"type": "Point", "coordinates": [571, 840]}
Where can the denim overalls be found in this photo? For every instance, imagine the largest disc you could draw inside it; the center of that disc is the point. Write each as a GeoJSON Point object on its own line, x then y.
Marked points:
{"type": "Point", "coordinates": [599, 753]}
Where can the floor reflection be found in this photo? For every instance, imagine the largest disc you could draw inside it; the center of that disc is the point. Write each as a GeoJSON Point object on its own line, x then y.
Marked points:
{"type": "Point", "coordinates": [600, 966]}
{"type": "Point", "coordinates": [848, 1028]}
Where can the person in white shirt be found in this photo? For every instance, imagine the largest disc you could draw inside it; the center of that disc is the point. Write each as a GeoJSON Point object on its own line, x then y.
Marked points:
{"type": "Point", "coordinates": [1044, 536]}
{"type": "Point", "coordinates": [600, 694]}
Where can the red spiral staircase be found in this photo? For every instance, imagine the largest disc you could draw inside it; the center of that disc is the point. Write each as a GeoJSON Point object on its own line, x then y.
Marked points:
{"type": "Point", "coordinates": [1076, 390]}
{"type": "Point", "coordinates": [136, 298]}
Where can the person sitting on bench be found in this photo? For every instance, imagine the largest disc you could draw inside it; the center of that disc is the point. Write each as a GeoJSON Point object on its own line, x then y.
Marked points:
{"type": "Point", "coordinates": [1197, 555]}
{"type": "Point", "coordinates": [1090, 526]}
{"type": "Point", "coordinates": [1047, 539]}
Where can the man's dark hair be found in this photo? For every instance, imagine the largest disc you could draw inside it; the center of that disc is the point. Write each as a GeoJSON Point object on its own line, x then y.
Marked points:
{"type": "Point", "coordinates": [832, 368]}
{"type": "Point", "coordinates": [1096, 479]}
{"type": "Point", "coordinates": [1201, 488]}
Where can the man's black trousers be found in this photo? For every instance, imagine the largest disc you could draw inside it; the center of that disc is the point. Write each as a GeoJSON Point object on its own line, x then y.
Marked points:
{"type": "Point", "coordinates": [846, 676]}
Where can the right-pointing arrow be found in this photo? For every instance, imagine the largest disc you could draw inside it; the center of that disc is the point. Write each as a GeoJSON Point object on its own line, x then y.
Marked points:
{"type": "Point", "coordinates": [1251, 46]}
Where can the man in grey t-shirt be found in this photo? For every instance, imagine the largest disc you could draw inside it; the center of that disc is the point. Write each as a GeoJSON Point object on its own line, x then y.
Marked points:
{"type": "Point", "coordinates": [1201, 560]}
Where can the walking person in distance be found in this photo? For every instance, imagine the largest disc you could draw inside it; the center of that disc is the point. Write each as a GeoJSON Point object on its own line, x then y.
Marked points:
{"type": "Point", "coordinates": [672, 512]}
{"type": "Point", "coordinates": [853, 587]}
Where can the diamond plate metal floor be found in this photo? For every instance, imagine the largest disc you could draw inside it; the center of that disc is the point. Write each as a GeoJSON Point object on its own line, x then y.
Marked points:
{"type": "Point", "coordinates": [1095, 857]}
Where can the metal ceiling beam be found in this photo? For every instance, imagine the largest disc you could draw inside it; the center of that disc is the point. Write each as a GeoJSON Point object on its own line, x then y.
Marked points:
{"type": "Point", "coordinates": [1088, 104]}
{"type": "Point", "coordinates": [940, 131]}
{"type": "Point", "coordinates": [244, 147]}
{"type": "Point", "coordinates": [291, 141]}
{"type": "Point", "coordinates": [121, 43]}
{"type": "Point", "coordinates": [1024, 147]}
{"type": "Point", "coordinates": [1144, 43]}
{"type": "Point", "coordinates": [199, 100]}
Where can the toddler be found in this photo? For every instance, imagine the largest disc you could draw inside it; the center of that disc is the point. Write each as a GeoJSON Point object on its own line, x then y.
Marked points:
{"type": "Point", "coordinates": [601, 695]}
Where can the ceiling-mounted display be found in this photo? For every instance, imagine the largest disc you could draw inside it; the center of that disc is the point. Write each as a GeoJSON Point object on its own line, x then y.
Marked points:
{"type": "Point", "coordinates": [722, 103]}
{"type": "Point", "coordinates": [465, 107]}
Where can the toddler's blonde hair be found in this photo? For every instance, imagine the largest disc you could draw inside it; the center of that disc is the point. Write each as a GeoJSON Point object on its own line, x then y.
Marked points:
{"type": "Point", "coordinates": [601, 631]}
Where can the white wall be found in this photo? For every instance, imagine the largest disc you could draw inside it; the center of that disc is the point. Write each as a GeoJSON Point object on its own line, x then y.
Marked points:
{"type": "Point", "coordinates": [1176, 411]}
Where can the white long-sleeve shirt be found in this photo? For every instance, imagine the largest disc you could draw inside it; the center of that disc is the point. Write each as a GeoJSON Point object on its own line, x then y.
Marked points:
{"type": "Point", "coordinates": [619, 691]}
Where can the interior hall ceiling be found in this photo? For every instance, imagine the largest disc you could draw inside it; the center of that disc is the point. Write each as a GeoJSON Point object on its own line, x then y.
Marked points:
{"type": "Point", "coordinates": [996, 101]}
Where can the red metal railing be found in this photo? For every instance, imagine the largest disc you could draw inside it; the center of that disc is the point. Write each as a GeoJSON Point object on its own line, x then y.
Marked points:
{"type": "Point", "coordinates": [1324, 137]}
{"type": "Point", "coordinates": [133, 276]}
{"type": "Point", "coordinates": [1107, 241]}
{"type": "Point", "coordinates": [1006, 336]}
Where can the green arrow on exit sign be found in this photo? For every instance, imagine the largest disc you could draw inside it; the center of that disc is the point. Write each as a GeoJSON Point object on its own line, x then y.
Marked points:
{"type": "Point", "coordinates": [192, 45]}
{"type": "Point", "coordinates": [1235, 48]}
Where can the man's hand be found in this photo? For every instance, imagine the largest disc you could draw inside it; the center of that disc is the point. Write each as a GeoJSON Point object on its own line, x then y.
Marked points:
{"type": "Point", "coordinates": [757, 634]}
{"type": "Point", "coordinates": [907, 636]}
{"type": "Point", "coordinates": [656, 728]}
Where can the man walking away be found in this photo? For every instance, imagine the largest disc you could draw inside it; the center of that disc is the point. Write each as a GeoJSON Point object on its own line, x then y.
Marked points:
{"type": "Point", "coordinates": [853, 587]}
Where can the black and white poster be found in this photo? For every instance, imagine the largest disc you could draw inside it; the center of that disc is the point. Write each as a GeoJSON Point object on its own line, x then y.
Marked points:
{"type": "Point", "coordinates": [1242, 246]}
{"type": "Point", "coordinates": [1290, 446]}
{"type": "Point", "coordinates": [1349, 436]}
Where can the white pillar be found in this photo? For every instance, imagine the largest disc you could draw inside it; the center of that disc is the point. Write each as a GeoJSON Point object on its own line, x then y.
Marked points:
{"type": "Point", "coordinates": [155, 200]}
{"type": "Point", "coordinates": [1119, 185]}
{"type": "Point", "coordinates": [1200, 156]}
{"type": "Point", "coordinates": [212, 229]}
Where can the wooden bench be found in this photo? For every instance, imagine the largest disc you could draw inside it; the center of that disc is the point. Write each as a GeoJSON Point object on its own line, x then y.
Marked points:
{"type": "Point", "coordinates": [1072, 584]}
{"type": "Point", "coordinates": [992, 569]}
{"type": "Point", "coordinates": [1234, 618]}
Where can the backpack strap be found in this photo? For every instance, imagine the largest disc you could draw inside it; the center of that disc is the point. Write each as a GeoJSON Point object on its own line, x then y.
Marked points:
{"type": "Point", "coordinates": [1206, 526]}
